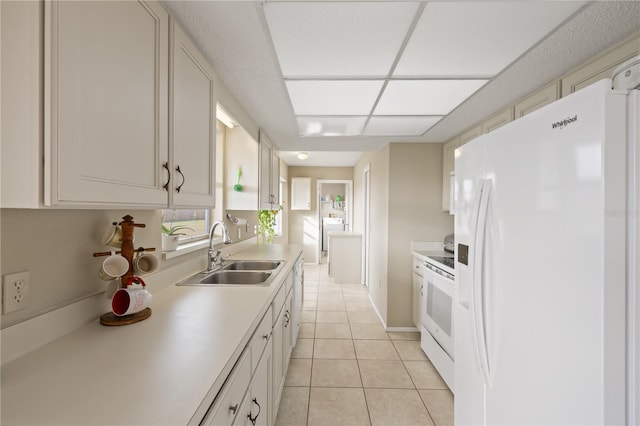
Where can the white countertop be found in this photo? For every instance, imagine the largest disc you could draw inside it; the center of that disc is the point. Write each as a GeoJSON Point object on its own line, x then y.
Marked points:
{"type": "Point", "coordinates": [423, 254]}
{"type": "Point", "coordinates": [344, 234]}
{"type": "Point", "coordinates": [158, 371]}
{"type": "Point", "coordinates": [423, 249]}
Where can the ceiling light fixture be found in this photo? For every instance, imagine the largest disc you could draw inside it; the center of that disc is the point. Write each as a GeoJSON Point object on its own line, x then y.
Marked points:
{"type": "Point", "coordinates": [303, 155]}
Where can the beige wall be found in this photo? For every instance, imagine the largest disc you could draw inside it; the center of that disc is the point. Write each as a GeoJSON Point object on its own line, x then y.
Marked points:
{"type": "Point", "coordinates": [378, 162]}
{"type": "Point", "coordinates": [303, 224]}
{"type": "Point", "coordinates": [415, 214]}
{"type": "Point", "coordinates": [56, 247]}
{"type": "Point", "coordinates": [406, 205]}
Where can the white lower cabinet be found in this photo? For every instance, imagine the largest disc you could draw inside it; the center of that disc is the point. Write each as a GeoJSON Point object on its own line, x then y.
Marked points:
{"type": "Point", "coordinates": [282, 340]}
{"type": "Point", "coordinates": [287, 343]}
{"type": "Point", "coordinates": [227, 403]}
{"type": "Point", "coordinates": [246, 397]}
{"type": "Point", "coordinates": [252, 391]}
{"type": "Point", "coordinates": [417, 291]}
{"type": "Point", "coordinates": [417, 300]}
{"type": "Point", "coordinates": [255, 409]}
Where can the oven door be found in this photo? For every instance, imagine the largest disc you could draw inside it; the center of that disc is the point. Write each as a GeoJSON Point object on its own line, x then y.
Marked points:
{"type": "Point", "coordinates": [437, 308]}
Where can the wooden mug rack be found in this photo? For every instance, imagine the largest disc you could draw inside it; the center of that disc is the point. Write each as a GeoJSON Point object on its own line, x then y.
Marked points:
{"type": "Point", "coordinates": [127, 251]}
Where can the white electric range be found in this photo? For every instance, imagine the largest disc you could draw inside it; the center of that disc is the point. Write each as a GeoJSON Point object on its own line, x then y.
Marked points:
{"type": "Point", "coordinates": [437, 313]}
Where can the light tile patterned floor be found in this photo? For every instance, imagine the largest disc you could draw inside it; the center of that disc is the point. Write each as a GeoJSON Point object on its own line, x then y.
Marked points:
{"type": "Point", "coordinates": [347, 370]}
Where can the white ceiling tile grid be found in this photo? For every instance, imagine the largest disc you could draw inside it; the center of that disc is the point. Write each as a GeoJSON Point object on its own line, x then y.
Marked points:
{"type": "Point", "coordinates": [338, 38]}
{"type": "Point", "coordinates": [396, 68]}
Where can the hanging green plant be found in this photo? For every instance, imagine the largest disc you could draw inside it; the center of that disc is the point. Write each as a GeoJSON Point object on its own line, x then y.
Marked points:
{"type": "Point", "coordinates": [266, 223]}
{"type": "Point", "coordinates": [237, 187]}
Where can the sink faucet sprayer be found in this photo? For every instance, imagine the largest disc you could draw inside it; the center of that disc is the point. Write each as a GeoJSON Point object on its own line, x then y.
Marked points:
{"type": "Point", "coordinates": [215, 260]}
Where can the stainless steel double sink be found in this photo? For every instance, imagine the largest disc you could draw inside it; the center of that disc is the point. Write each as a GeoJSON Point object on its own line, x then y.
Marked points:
{"type": "Point", "coordinates": [238, 272]}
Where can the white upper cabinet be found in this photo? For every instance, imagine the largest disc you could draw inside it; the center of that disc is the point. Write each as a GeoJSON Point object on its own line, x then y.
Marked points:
{"type": "Point", "coordinates": [470, 135]}
{"type": "Point", "coordinates": [537, 100]}
{"type": "Point", "coordinates": [192, 130]}
{"type": "Point", "coordinates": [301, 193]}
{"type": "Point", "coordinates": [275, 178]}
{"type": "Point", "coordinates": [269, 174]}
{"type": "Point", "coordinates": [21, 88]}
{"type": "Point", "coordinates": [601, 67]}
{"type": "Point", "coordinates": [121, 100]}
{"type": "Point", "coordinates": [106, 74]}
{"type": "Point", "coordinates": [448, 164]}
{"type": "Point", "coordinates": [498, 120]}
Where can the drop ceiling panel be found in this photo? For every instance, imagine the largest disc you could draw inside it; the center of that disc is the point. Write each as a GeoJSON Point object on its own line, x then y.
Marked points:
{"type": "Point", "coordinates": [478, 38]}
{"type": "Point", "coordinates": [425, 97]}
{"type": "Point", "coordinates": [338, 39]}
{"type": "Point", "coordinates": [399, 126]}
{"type": "Point", "coordinates": [333, 97]}
{"type": "Point", "coordinates": [331, 126]}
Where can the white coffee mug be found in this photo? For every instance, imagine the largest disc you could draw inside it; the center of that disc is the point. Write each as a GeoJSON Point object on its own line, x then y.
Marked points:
{"type": "Point", "coordinates": [113, 267]}
{"type": "Point", "coordinates": [145, 263]}
{"type": "Point", "coordinates": [134, 298]}
{"type": "Point", "coordinates": [113, 237]}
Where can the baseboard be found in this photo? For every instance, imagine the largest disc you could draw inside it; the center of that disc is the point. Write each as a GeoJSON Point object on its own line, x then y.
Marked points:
{"type": "Point", "coordinates": [375, 308]}
{"type": "Point", "coordinates": [402, 329]}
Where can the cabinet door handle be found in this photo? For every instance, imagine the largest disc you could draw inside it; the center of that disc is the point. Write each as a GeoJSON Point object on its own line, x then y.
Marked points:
{"type": "Point", "coordinates": [233, 408]}
{"type": "Point", "coordinates": [421, 294]}
{"type": "Point", "coordinates": [179, 187]}
{"type": "Point", "coordinates": [165, 165]}
{"type": "Point", "coordinates": [253, 419]}
{"type": "Point", "coordinates": [265, 336]}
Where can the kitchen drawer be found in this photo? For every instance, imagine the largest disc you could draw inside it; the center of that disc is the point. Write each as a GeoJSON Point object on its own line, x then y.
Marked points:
{"type": "Point", "coordinates": [227, 403]}
{"type": "Point", "coordinates": [260, 339]}
{"type": "Point", "coordinates": [288, 282]}
{"type": "Point", "coordinates": [417, 266]}
{"type": "Point", "coordinates": [278, 302]}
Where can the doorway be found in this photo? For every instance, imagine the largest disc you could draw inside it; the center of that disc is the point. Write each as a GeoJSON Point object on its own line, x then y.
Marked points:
{"type": "Point", "coordinates": [366, 237]}
{"type": "Point", "coordinates": [335, 210]}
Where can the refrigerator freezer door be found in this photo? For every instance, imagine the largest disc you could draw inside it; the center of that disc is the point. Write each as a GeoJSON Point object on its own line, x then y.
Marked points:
{"type": "Point", "coordinates": [553, 326]}
{"type": "Point", "coordinates": [554, 331]}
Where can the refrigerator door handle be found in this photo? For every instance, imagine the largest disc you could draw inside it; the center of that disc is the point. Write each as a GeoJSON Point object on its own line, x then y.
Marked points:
{"type": "Point", "coordinates": [478, 290]}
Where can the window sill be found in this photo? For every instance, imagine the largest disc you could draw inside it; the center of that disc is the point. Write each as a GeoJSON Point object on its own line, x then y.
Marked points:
{"type": "Point", "coordinates": [189, 248]}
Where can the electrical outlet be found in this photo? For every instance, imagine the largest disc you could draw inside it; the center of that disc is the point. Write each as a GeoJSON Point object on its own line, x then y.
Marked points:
{"type": "Point", "coordinates": [16, 292]}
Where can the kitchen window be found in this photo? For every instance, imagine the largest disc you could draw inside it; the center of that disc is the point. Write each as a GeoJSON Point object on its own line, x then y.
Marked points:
{"type": "Point", "coordinates": [197, 220]}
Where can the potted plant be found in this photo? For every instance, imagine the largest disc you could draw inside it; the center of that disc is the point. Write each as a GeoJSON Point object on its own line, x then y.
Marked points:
{"type": "Point", "coordinates": [266, 221]}
{"type": "Point", "coordinates": [171, 237]}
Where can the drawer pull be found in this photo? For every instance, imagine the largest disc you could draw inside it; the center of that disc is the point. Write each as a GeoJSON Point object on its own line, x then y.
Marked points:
{"type": "Point", "coordinates": [233, 408]}
{"type": "Point", "coordinates": [265, 336]}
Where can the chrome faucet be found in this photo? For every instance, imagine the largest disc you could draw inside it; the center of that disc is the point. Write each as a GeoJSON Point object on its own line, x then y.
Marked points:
{"type": "Point", "coordinates": [215, 259]}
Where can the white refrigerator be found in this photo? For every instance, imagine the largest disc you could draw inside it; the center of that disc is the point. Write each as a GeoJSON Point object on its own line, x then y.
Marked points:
{"type": "Point", "coordinates": [544, 244]}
